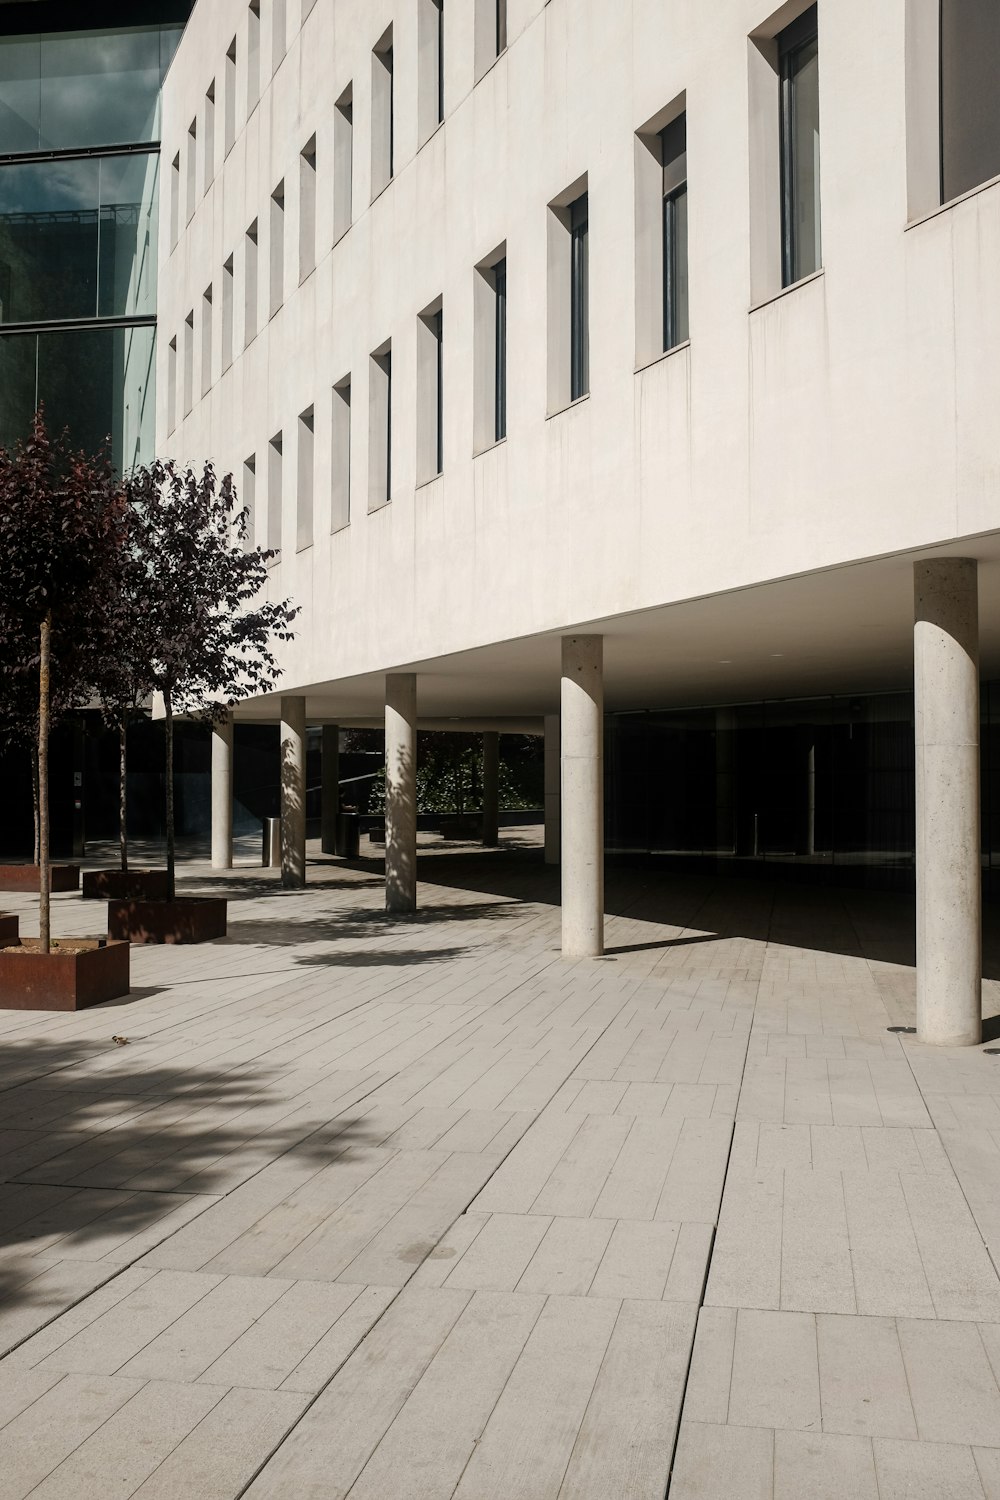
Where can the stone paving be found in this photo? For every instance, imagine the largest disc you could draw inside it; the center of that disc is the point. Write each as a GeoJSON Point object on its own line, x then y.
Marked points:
{"type": "Point", "coordinates": [417, 1208]}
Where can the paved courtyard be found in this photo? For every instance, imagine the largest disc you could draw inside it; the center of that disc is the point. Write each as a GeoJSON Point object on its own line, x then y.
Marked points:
{"type": "Point", "coordinates": [418, 1209]}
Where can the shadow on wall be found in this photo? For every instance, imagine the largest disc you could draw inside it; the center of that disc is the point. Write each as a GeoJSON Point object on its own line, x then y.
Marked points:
{"type": "Point", "coordinates": [100, 1150]}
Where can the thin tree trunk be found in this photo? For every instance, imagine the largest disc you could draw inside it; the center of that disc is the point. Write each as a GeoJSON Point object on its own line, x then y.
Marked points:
{"type": "Point", "coordinates": [36, 846]}
{"type": "Point", "coordinates": [168, 710]}
{"type": "Point", "coordinates": [123, 792]}
{"type": "Point", "coordinates": [44, 686]}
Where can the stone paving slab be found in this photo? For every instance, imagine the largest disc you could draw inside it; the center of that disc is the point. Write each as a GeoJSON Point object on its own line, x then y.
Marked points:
{"type": "Point", "coordinates": [415, 1207]}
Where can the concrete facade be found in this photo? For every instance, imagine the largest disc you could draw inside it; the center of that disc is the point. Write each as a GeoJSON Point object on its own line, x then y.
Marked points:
{"type": "Point", "coordinates": [738, 516]}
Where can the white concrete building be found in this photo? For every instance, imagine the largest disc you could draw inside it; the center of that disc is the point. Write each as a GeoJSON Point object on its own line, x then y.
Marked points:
{"type": "Point", "coordinates": [629, 357]}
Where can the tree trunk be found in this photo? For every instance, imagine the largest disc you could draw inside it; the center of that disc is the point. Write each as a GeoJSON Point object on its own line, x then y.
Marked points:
{"type": "Point", "coordinates": [36, 846]}
{"type": "Point", "coordinates": [169, 736]}
{"type": "Point", "coordinates": [44, 686]}
{"type": "Point", "coordinates": [122, 792]}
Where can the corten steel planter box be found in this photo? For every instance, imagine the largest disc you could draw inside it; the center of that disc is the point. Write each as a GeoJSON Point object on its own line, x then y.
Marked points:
{"type": "Point", "coordinates": [62, 980]}
{"type": "Point", "coordinates": [125, 885]}
{"type": "Point", "coordinates": [8, 928]}
{"type": "Point", "coordinates": [25, 877]}
{"type": "Point", "coordinates": [186, 919]}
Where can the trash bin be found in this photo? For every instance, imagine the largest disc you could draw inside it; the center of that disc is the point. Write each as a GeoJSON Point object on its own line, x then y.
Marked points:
{"type": "Point", "coordinates": [271, 852]}
{"type": "Point", "coordinates": [348, 835]}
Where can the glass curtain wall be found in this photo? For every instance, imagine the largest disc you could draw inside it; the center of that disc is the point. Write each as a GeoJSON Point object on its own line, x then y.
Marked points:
{"type": "Point", "coordinates": [78, 232]}
{"type": "Point", "coordinates": [820, 782]}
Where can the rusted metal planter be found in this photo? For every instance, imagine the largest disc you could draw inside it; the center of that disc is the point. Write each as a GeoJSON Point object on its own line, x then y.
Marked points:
{"type": "Point", "coordinates": [186, 919]}
{"type": "Point", "coordinates": [26, 877]}
{"type": "Point", "coordinates": [79, 972]}
{"type": "Point", "coordinates": [125, 885]}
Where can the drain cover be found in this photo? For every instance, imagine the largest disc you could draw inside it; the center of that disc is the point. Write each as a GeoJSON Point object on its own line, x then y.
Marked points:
{"type": "Point", "coordinates": [908, 1030]}
{"type": "Point", "coordinates": [992, 1051]}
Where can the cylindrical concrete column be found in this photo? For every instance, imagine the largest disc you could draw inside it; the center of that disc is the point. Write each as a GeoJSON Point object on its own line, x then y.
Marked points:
{"type": "Point", "coordinates": [949, 888]}
{"type": "Point", "coordinates": [222, 794]}
{"type": "Point", "coordinates": [293, 792]}
{"type": "Point", "coordinates": [491, 787]}
{"type": "Point", "coordinates": [330, 795]}
{"type": "Point", "coordinates": [582, 736]}
{"type": "Point", "coordinates": [401, 792]}
{"type": "Point", "coordinates": [553, 776]}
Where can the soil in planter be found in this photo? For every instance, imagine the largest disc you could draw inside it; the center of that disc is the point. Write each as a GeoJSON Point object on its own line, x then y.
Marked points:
{"type": "Point", "coordinates": [57, 945]}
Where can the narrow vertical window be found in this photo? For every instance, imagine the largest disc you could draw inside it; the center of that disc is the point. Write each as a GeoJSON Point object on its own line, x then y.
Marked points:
{"type": "Point", "coordinates": [206, 341]}
{"type": "Point", "coordinates": [175, 199]}
{"type": "Point", "coordinates": [340, 456]}
{"type": "Point", "coordinates": [277, 248]}
{"type": "Point", "coordinates": [250, 252]}
{"type": "Point", "coordinates": [172, 385]}
{"type": "Point", "coordinates": [579, 299]}
{"type": "Point", "coordinates": [189, 362]}
{"type": "Point", "coordinates": [307, 209]}
{"type": "Point", "coordinates": [490, 34]}
{"type": "Point", "coordinates": [430, 63]}
{"type": "Point", "coordinates": [383, 124]}
{"type": "Point", "coordinates": [500, 350]}
{"type": "Point", "coordinates": [440, 61]}
{"type": "Point", "coordinates": [343, 163]}
{"type": "Point", "coordinates": [380, 428]}
{"type": "Point", "coordinates": [249, 498]}
{"type": "Point", "coordinates": [673, 144]}
{"type": "Point", "coordinates": [798, 56]}
{"type": "Point", "coordinates": [192, 168]}
{"type": "Point", "coordinates": [227, 314]}
{"type": "Point", "coordinates": [969, 107]}
{"type": "Point", "coordinates": [278, 33]}
{"type": "Point", "coordinates": [430, 393]}
{"type": "Point", "coordinates": [274, 492]}
{"type": "Point", "coordinates": [304, 481]}
{"type": "Point", "coordinates": [210, 136]}
{"type": "Point", "coordinates": [230, 100]}
{"type": "Point", "coordinates": [253, 56]}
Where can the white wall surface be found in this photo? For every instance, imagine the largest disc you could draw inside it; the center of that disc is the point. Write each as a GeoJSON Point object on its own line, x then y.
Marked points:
{"type": "Point", "coordinates": [853, 415]}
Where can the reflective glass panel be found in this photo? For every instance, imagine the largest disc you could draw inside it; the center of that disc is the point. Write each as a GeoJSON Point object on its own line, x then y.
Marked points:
{"type": "Point", "coordinates": [78, 238]}
{"type": "Point", "coordinates": [49, 240]}
{"type": "Point", "coordinates": [100, 87]}
{"type": "Point", "coordinates": [20, 92]}
{"type": "Point", "coordinates": [127, 248]}
{"type": "Point", "coordinates": [99, 383]}
{"type": "Point", "coordinates": [87, 88]}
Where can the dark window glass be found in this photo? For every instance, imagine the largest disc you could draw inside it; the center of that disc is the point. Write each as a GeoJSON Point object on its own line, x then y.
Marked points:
{"type": "Point", "coordinates": [440, 60]}
{"type": "Point", "coordinates": [97, 382]}
{"type": "Point", "coordinates": [84, 88]}
{"type": "Point", "coordinates": [673, 142]}
{"type": "Point", "coordinates": [501, 26]}
{"type": "Point", "coordinates": [798, 48]}
{"type": "Point", "coordinates": [78, 238]}
{"type": "Point", "coordinates": [579, 299]}
{"type": "Point", "coordinates": [970, 104]}
{"type": "Point", "coordinates": [500, 372]}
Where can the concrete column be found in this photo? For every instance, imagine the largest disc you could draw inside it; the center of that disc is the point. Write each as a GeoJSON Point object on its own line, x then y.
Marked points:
{"type": "Point", "coordinates": [491, 787]}
{"type": "Point", "coordinates": [553, 774]}
{"type": "Point", "coordinates": [401, 792]}
{"type": "Point", "coordinates": [293, 792]}
{"type": "Point", "coordinates": [582, 736]}
{"type": "Point", "coordinates": [330, 795]}
{"type": "Point", "coordinates": [949, 889]}
{"type": "Point", "coordinates": [222, 794]}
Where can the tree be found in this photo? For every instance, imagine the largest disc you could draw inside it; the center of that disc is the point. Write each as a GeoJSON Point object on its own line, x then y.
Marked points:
{"type": "Point", "coordinates": [124, 676]}
{"type": "Point", "coordinates": [198, 589]}
{"type": "Point", "coordinates": [61, 526]}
